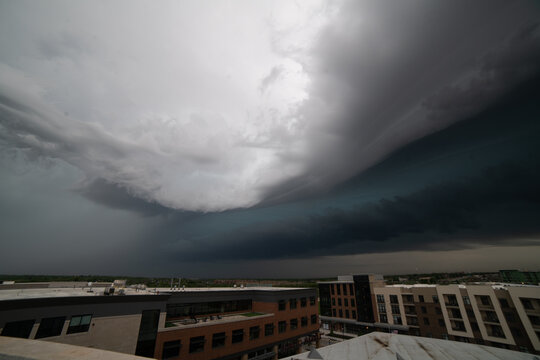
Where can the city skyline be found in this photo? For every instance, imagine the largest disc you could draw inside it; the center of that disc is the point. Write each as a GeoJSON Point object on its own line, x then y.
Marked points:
{"type": "Point", "coordinates": [269, 139]}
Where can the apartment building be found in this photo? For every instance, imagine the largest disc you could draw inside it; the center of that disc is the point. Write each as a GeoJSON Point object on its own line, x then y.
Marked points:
{"type": "Point", "coordinates": [234, 323]}
{"type": "Point", "coordinates": [210, 323]}
{"type": "Point", "coordinates": [500, 315]}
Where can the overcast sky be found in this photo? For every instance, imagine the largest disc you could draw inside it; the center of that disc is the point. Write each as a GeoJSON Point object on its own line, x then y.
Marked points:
{"type": "Point", "coordinates": [269, 138]}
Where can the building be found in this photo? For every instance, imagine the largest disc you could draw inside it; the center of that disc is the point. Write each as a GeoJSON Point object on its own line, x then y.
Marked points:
{"type": "Point", "coordinates": [499, 315]}
{"type": "Point", "coordinates": [221, 323]}
{"type": "Point", "coordinates": [385, 346]}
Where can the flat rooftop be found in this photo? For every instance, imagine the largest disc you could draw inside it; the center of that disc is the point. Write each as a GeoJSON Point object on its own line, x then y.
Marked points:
{"type": "Point", "coordinates": [217, 289]}
{"type": "Point", "coordinates": [201, 322]}
{"type": "Point", "coordinates": [17, 294]}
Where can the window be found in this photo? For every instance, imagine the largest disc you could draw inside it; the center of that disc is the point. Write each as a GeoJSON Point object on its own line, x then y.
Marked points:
{"type": "Point", "coordinates": [381, 308]}
{"type": "Point", "coordinates": [441, 323]}
{"type": "Point", "coordinates": [237, 336]}
{"type": "Point", "coordinates": [352, 302]}
{"type": "Point", "coordinates": [312, 300]}
{"type": "Point", "coordinates": [303, 302]}
{"type": "Point", "coordinates": [313, 319]}
{"type": "Point", "coordinates": [535, 320]}
{"type": "Point", "coordinates": [426, 321]}
{"type": "Point", "coordinates": [340, 313]}
{"type": "Point", "coordinates": [218, 340]}
{"type": "Point", "coordinates": [354, 314]}
{"type": "Point", "coordinates": [504, 303]}
{"type": "Point", "coordinates": [303, 321]}
{"type": "Point", "coordinates": [438, 310]}
{"type": "Point", "coordinates": [485, 300]}
{"type": "Point", "coordinates": [79, 323]}
{"type": "Point", "coordinates": [338, 287]}
{"type": "Point", "coordinates": [344, 289]}
{"type": "Point", "coordinates": [292, 304]}
{"type": "Point", "coordinates": [424, 310]}
{"type": "Point", "coordinates": [196, 344]}
{"type": "Point", "coordinates": [282, 326]}
{"type": "Point", "coordinates": [527, 303]}
{"type": "Point", "coordinates": [50, 327]}
{"type": "Point", "coordinates": [268, 329]}
{"type": "Point", "coordinates": [421, 298]}
{"type": "Point", "coordinates": [347, 314]}
{"type": "Point", "coordinates": [332, 288]}
{"type": "Point", "coordinates": [18, 329]}
{"type": "Point", "coordinates": [346, 301]}
{"type": "Point", "coordinates": [395, 309]}
{"type": "Point", "coordinates": [334, 301]}
{"type": "Point", "coordinates": [171, 349]}
{"type": "Point", "coordinates": [383, 318]}
{"type": "Point", "coordinates": [380, 298]}
{"type": "Point", "coordinates": [351, 289]}
{"type": "Point", "coordinates": [339, 301]}
{"type": "Point", "coordinates": [397, 319]}
{"type": "Point", "coordinates": [466, 300]}
{"type": "Point", "coordinates": [254, 332]}
{"type": "Point", "coordinates": [509, 317]}
{"type": "Point", "coordinates": [334, 312]}
{"type": "Point", "coordinates": [394, 299]}
{"type": "Point", "coordinates": [281, 305]}
{"type": "Point", "coordinates": [435, 298]}
{"type": "Point", "coordinates": [474, 326]}
{"type": "Point", "coordinates": [294, 324]}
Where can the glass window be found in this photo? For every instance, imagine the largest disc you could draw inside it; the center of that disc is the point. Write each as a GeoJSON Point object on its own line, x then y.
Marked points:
{"type": "Point", "coordinates": [435, 298]}
{"type": "Point", "coordinates": [424, 309]}
{"type": "Point", "coordinates": [354, 314]}
{"type": "Point", "coordinates": [351, 289]}
{"type": "Point", "coordinates": [303, 302]}
{"type": "Point", "coordinates": [237, 336]}
{"type": "Point", "coordinates": [196, 344]}
{"type": "Point", "coordinates": [339, 301]}
{"type": "Point", "coordinates": [292, 304]}
{"type": "Point", "coordinates": [421, 298]}
{"type": "Point", "coordinates": [352, 302]}
{"type": "Point", "coordinates": [394, 299]}
{"type": "Point", "coordinates": [268, 329]}
{"type": "Point", "coordinates": [254, 332]}
{"type": "Point", "coordinates": [338, 287]}
{"type": "Point", "coordinates": [334, 312]}
{"type": "Point", "coordinates": [303, 321]}
{"type": "Point", "coordinates": [18, 329]}
{"type": "Point", "coordinates": [312, 300]}
{"type": "Point", "coordinates": [313, 319]}
{"type": "Point", "coordinates": [340, 313]}
{"type": "Point", "coordinates": [79, 323]}
{"type": "Point", "coordinates": [504, 303]}
{"type": "Point", "coordinates": [380, 298]}
{"type": "Point", "coordinates": [426, 321]}
{"type": "Point", "coordinates": [395, 309]}
{"type": "Point", "coordinates": [282, 326]}
{"type": "Point", "coordinates": [294, 324]}
{"type": "Point", "coordinates": [334, 301]}
{"type": "Point", "coordinates": [466, 300]}
{"type": "Point", "coordinates": [281, 305]}
{"type": "Point", "coordinates": [171, 349]}
{"type": "Point", "coordinates": [218, 339]}
{"type": "Point", "coordinates": [383, 318]}
{"type": "Point", "coordinates": [50, 327]}
{"type": "Point", "coordinates": [397, 319]}
{"type": "Point", "coordinates": [347, 314]}
{"type": "Point", "coordinates": [381, 308]}
{"type": "Point", "coordinates": [332, 288]}
{"type": "Point", "coordinates": [346, 301]}
{"type": "Point", "coordinates": [344, 289]}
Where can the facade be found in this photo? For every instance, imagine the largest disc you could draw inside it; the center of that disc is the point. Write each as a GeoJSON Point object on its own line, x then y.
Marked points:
{"type": "Point", "coordinates": [210, 323]}
{"type": "Point", "coordinates": [501, 315]}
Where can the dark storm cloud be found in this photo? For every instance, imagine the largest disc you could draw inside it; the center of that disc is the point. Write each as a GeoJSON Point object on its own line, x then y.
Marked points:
{"type": "Point", "coordinates": [382, 71]}
{"type": "Point", "coordinates": [495, 201]}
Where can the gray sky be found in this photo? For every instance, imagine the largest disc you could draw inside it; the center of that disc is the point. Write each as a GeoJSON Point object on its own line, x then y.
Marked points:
{"type": "Point", "coordinates": [242, 138]}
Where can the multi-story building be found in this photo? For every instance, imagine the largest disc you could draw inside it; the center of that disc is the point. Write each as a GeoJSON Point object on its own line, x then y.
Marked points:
{"type": "Point", "coordinates": [209, 323]}
{"type": "Point", "coordinates": [520, 277]}
{"type": "Point", "coordinates": [500, 315]}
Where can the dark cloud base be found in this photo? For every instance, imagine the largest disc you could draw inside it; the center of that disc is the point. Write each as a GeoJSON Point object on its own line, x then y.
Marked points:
{"type": "Point", "coordinates": [497, 205]}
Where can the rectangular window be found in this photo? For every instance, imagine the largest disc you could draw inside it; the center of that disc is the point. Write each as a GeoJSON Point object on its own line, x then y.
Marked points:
{"type": "Point", "coordinates": [438, 310]}
{"type": "Point", "coordinates": [381, 308]}
{"type": "Point", "coordinates": [338, 287]}
{"type": "Point", "coordinates": [79, 323]}
{"type": "Point", "coordinates": [354, 314]}
{"type": "Point", "coordinates": [50, 327]}
{"type": "Point", "coordinates": [281, 305]}
{"type": "Point", "coordinates": [441, 323]}
{"type": "Point", "coordinates": [334, 301]}
{"type": "Point", "coordinates": [352, 302]}
{"type": "Point", "coordinates": [340, 313]}
{"type": "Point", "coordinates": [334, 312]}
{"type": "Point", "coordinates": [466, 300]}
{"type": "Point", "coordinates": [303, 321]}
{"type": "Point", "coordinates": [339, 301]}
{"type": "Point", "coordinates": [394, 299]}
{"type": "Point", "coordinates": [313, 319]}
{"type": "Point", "coordinates": [351, 289]}
{"type": "Point", "coordinates": [254, 332]}
{"type": "Point", "coordinates": [237, 336]}
{"type": "Point", "coordinates": [218, 340]}
{"type": "Point", "coordinates": [344, 289]}
{"type": "Point", "coordinates": [171, 349]}
{"type": "Point", "coordinates": [397, 319]}
{"type": "Point", "coordinates": [347, 314]}
{"type": "Point", "coordinates": [292, 304]}
{"type": "Point", "coordinates": [504, 303]}
{"type": "Point", "coordinates": [424, 310]}
{"type": "Point", "coordinates": [426, 321]}
{"type": "Point", "coordinates": [527, 303]}
{"type": "Point", "coordinates": [485, 300]}
{"type": "Point", "coordinates": [282, 326]}
{"type": "Point", "coordinates": [435, 298]}
{"type": "Point", "coordinates": [196, 344]}
{"type": "Point", "coordinates": [268, 329]}
{"type": "Point", "coordinates": [421, 298]}
{"type": "Point", "coordinates": [18, 329]}
{"type": "Point", "coordinates": [312, 300]}
{"type": "Point", "coordinates": [383, 318]}
{"type": "Point", "coordinates": [303, 302]}
{"type": "Point", "coordinates": [395, 309]}
{"type": "Point", "coordinates": [294, 324]}
{"type": "Point", "coordinates": [346, 301]}
{"type": "Point", "coordinates": [380, 298]}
